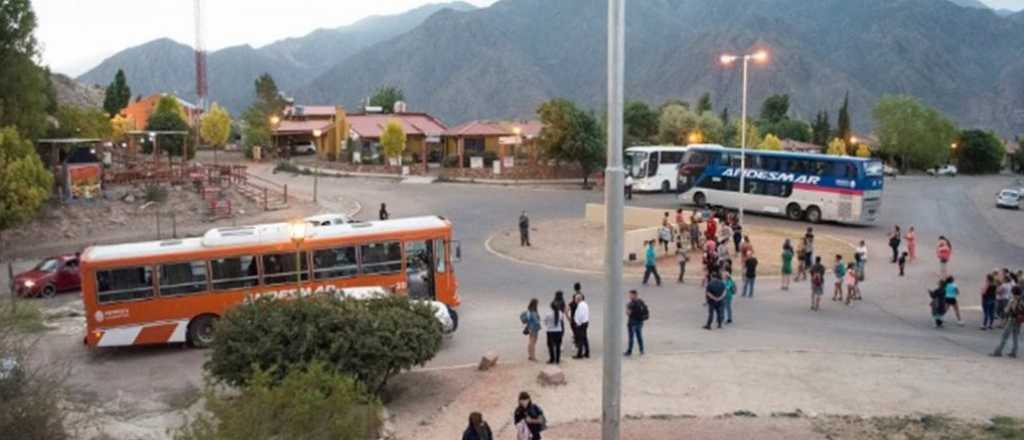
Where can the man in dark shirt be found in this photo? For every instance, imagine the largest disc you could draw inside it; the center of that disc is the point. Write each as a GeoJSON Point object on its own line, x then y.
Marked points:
{"type": "Point", "coordinates": [749, 276]}
{"type": "Point", "coordinates": [714, 294]}
{"type": "Point", "coordinates": [817, 283]}
{"type": "Point", "coordinates": [635, 317]}
{"type": "Point", "coordinates": [524, 229]}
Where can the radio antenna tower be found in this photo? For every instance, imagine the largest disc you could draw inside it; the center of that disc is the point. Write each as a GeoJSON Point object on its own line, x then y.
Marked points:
{"type": "Point", "coordinates": [201, 85]}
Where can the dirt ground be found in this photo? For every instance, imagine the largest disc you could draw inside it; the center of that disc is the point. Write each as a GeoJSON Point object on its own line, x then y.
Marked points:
{"type": "Point", "coordinates": [579, 245]}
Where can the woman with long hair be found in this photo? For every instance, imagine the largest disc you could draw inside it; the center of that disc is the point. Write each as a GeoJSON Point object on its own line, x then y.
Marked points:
{"type": "Point", "coordinates": [554, 324]}
{"type": "Point", "coordinates": [478, 429]}
{"type": "Point", "coordinates": [787, 263]}
{"type": "Point", "coordinates": [531, 317]}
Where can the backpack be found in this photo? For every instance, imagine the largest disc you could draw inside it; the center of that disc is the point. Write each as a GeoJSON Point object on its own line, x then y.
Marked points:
{"type": "Point", "coordinates": [645, 313]}
{"type": "Point", "coordinates": [523, 317]}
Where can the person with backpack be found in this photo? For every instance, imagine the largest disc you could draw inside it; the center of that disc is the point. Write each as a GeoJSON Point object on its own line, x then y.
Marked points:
{"type": "Point", "coordinates": [1015, 310]}
{"type": "Point", "coordinates": [529, 418]}
{"type": "Point", "coordinates": [817, 283]}
{"type": "Point", "coordinates": [554, 324]}
{"type": "Point", "coordinates": [478, 429]}
{"type": "Point", "coordinates": [714, 294]}
{"type": "Point", "coordinates": [636, 313]}
{"type": "Point", "coordinates": [531, 322]}
{"type": "Point", "coordinates": [651, 264]}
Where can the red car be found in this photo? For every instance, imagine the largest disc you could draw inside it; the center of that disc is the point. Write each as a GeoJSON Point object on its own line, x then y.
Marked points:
{"type": "Point", "coordinates": [52, 275]}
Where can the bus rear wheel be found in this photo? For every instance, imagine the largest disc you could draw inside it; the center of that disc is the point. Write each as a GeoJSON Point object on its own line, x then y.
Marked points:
{"type": "Point", "coordinates": [700, 199]}
{"type": "Point", "coordinates": [793, 212]}
{"type": "Point", "coordinates": [200, 331]}
{"type": "Point", "coordinates": [813, 214]}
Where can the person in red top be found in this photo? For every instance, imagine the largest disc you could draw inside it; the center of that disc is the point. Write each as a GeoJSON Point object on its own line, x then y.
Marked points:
{"type": "Point", "coordinates": [711, 232]}
{"type": "Point", "coordinates": [944, 250]}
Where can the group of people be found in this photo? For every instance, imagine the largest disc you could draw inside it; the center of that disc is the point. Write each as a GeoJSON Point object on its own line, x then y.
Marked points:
{"type": "Point", "coordinates": [574, 315]}
{"type": "Point", "coordinates": [528, 419]}
{"type": "Point", "coordinates": [712, 233]}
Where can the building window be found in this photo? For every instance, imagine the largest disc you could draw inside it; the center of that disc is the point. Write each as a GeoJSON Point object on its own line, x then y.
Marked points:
{"type": "Point", "coordinates": [474, 145]}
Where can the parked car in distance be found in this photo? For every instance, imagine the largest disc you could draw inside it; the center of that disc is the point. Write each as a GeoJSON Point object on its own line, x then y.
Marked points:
{"type": "Point", "coordinates": [50, 276]}
{"type": "Point", "coordinates": [329, 219]}
{"type": "Point", "coordinates": [1008, 198]}
{"type": "Point", "coordinates": [306, 148]}
{"type": "Point", "coordinates": [945, 170]}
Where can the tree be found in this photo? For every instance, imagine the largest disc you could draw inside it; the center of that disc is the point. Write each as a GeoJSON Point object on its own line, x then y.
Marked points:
{"type": "Point", "coordinates": [268, 97]}
{"type": "Point", "coordinates": [775, 109]}
{"type": "Point", "coordinates": [979, 152]}
{"type": "Point", "coordinates": [371, 340]}
{"type": "Point", "coordinates": [169, 116]}
{"type": "Point", "coordinates": [120, 126]}
{"type": "Point", "coordinates": [863, 151]}
{"type": "Point", "coordinates": [641, 124]}
{"type": "Point", "coordinates": [117, 95]}
{"type": "Point", "coordinates": [26, 93]}
{"type": "Point", "coordinates": [843, 124]}
{"type": "Point", "coordinates": [789, 129]}
{"type": "Point", "coordinates": [675, 124]}
{"type": "Point", "coordinates": [836, 147]}
{"type": "Point", "coordinates": [821, 130]}
{"type": "Point", "coordinates": [215, 128]}
{"type": "Point", "coordinates": [771, 143]}
{"type": "Point", "coordinates": [268, 102]}
{"type": "Point", "coordinates": [917, 135]}
{"type": "Point", "coordinates": [724, 116]}
{"type": "Point", "coordinates": [386, 97]}
{"type": "Point", "coordinates": [392, 140]}
{"type": "Point", "coordinates": [704, 104]}
{"type": "Point", "coordinates": [1017, 156]}
{"type": "Point", "coordinates": [733, 135]}
{"type": "Point", "coordinates": [79, 122]}
{"type": "Point", "coordinates": [25, 182]}
{"type": "Point", "coordinates": [571, 135]}
{"type": "Point", "coordinates": [309, 403]}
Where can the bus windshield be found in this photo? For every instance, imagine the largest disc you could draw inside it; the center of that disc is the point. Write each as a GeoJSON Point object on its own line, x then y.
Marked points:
{"type": "Point", "coordinates": [635, 161]}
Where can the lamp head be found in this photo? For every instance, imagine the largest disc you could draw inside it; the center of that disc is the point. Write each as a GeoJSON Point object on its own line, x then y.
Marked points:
{"type": "Point", "coordinates": [297, 231]}
{"type": "Point", "coordinates": [727, 59]}
{"type": "Point", "coordinates": [275, 119]}
{"type": "Point", "coordinates": [316, 133]}
{"type": "Point", "coordinates": [760, 56]}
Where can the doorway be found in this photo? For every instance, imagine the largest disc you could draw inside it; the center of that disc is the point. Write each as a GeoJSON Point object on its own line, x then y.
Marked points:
{"type": "Point", "coordinates": [419, 269]}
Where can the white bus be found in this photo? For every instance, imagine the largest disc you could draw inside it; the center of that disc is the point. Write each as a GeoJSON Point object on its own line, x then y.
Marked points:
{"type": "Point", "coordinates": [654, 168]}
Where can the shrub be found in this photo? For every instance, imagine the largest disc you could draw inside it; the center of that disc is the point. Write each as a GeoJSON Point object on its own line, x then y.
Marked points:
{"type": "Point", "coordinates": [155, 193]}
{"type": "Point", "coordinates": [286, 167]}
{"type": "Point", "coordinates": [979, 152]}
{"type": "Point", "coordinates": [308, 403]}
{"type": "Point", "coordinates": [30, 391]}
{"type": "Point", "coordinates": [21, 316]}
{"type": "Point", "coordinates": [372, 340]}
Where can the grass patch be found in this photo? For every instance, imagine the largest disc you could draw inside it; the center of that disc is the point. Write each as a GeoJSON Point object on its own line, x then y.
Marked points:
{"type": "Point", "coordinates": [288, 167]}
{"type": "Point", "coordinates": [22, 316]}
{"type": "Point", "coordinates": [1007, 428]}
{"type": "Point", "coordinates": [182, 399]}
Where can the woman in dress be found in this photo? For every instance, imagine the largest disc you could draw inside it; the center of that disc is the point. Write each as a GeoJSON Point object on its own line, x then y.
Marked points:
{"type": "Point", "coordinates": [787, 263]}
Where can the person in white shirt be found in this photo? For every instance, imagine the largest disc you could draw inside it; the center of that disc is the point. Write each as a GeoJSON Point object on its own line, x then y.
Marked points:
{"type": "Point", "coordinates": [581, 318]}
{"type": "Point", "coordinates": [554, 324]}
{"type": "Point", "coordinates": [629, 187]}
{"type": "Point", "coordinates": [861, 259]}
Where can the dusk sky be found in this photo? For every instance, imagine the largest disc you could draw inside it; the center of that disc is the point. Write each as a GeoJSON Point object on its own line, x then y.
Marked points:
{"type": "Point", "coordinates": [77, 35]}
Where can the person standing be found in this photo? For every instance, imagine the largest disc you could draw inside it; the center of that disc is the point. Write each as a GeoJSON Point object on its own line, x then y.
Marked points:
{"type": "Point", "coordinates": [801, 261]}
{"type": "Point", "coordinates": [383, 213]}
{"type": "Point", "coordinates": [911, 243]}
{"type": "Point", "coordinates": [651, 264]}
{"type": "Point", "coordinates": [629, 186]}
{"type": "Point", "coordinates": [860, 257]}
{"type": "Point", "coordinates": [787, 263]}
{"type": "Point", "coordinates": [1003, 296]}
{"type": "Point", "coordinates": [636, 313]}
{"type": "Point", "coordinates": [682, 257]}
{"type": "Point", "coordinates": [478, 429]}
{"type": "Point", "coordinates": [531, 320]}
{"type": "Point", "coordinates": [894, 242]}
{"type": "Point", "coordinates": [730, 291]}
{"type": "Point", "coordinates": [524, 229]}
{"type": "Point", "coordinates": [695, 232]}
{"type": "Point", "coordinates": [665, 234]}
{"type": "Point", "coordinates": [839, 270]}
{"type": "Point", "coordinates": [817, 283]}
{"type": "Point", "coordinates": [530, 415]}
{"type": "Point", "coordinates": [903, 262]}
{"type": "Point", "coordinates": [944, 251]}
{"type": "Point", "coordinates": [737, 237]}
{"type": "Point", "coordinates": [581, 317]}
{"type": "Point", "coordinates": [1015, 311]}
{"type": "Point", "coordinates": [554, 324]}
{"type": "Point", "coordinates": [725, 236]}
{"type": "Point", "coordinates": [988, 302]}
{"type": "Point", "coordinates": [952, 291]}
{"type": "Point", "coordinates": [711, 230]}
{"type": "Point", "coordinates": [746, 248]}
{"type": "Point", "coordinates": [749, 276]}
{"type": "Point", "coordinates": [938, 303]}
{"type": "Point", "coordinates": [809, 247]}
{"type": "Point", "coordinates": [714, 294]}
{"type": "Point", "coordinates": [851, 284]}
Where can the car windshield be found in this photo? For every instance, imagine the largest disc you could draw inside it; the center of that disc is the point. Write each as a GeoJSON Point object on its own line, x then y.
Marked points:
{"type": "Point", "coordinates": [1009, 193]}
{"type": "Point", "coordinates": [47, 265]}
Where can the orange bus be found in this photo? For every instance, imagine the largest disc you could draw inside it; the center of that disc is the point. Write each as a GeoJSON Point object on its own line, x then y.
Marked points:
{"type": "Point", "coordinates": [173, 290]}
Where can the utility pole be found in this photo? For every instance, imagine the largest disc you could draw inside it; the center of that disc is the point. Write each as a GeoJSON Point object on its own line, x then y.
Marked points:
{"type": "Point", "coordinates": [201, 84]}
{"type": "Point", "coordinates": [611, 387]}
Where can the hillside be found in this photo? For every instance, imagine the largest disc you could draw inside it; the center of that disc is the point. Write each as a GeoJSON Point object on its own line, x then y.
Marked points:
{"type": "Point", "coordinates": [74, 93]}
{"type": "Point", "coordinates": [504, 60]}
{"type": "Point", "coordinates": [167, 66]}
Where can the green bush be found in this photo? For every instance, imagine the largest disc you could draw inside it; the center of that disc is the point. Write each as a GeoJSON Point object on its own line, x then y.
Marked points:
{"type": "Point", "coordinates": [372, 340]}
{"type": "Point", "coordinates": [155, 193]}
{"type": "Point", "coordinates": [979, 152]}
{"type": "Point", "coordinates": [21, 316]}
{"type": "Point", "coordinates": [311, 403]}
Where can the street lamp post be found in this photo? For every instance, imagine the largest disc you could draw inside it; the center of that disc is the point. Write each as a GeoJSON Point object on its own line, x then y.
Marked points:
{"type": "Point", "coordinates": [297, 232]}
{"type": "Point", "coordinates": [759, 56]}
{"type": "Point", "coordinates": [316, 162]}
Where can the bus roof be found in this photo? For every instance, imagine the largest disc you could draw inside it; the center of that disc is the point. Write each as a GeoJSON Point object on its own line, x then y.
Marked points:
{"type": "Point", "coordinates": [271, 233]}
{"type": "Point", "coordinates": [650, 148]}
{"type": "Point", "coordinates": [779, 153]}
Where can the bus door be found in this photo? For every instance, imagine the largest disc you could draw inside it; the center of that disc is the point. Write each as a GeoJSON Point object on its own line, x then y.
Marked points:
{"type": "Point", "coordinates": [420, 269]}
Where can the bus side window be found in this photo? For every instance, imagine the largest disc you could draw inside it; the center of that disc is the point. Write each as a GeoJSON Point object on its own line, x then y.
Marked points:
{"type": "Point", "coordinates": [380, 258]}
{"type": "Point", "coordinates": [280, 268]}
{"type": "Point", "coordinates": [771, 163]}
{"type": "Point", "coordinates": [335, 263]}
{"type": "Point", "coordinates": [234, 273]}
{"type": "Point", "coordinates": [182, 278]}
{"type": "Point", "coordinates": [124, 284]}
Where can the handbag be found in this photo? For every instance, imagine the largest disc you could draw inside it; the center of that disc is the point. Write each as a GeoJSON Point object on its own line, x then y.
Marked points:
{"type": "Point", "coordinates": [526, 330]}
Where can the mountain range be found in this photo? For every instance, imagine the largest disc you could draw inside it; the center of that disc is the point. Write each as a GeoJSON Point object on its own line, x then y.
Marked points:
{"type": "Point", "coordinates": [460, 62]}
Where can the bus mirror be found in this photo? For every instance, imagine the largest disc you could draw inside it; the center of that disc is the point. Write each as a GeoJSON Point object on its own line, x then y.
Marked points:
{"type": "Point", "coordinates": [458, 251]}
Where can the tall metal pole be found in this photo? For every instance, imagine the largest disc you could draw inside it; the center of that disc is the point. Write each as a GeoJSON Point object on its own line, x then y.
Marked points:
{"type": "Point", "coordinates": [611, 389]}
{"type": "Point", "coordinates": [743, 139]}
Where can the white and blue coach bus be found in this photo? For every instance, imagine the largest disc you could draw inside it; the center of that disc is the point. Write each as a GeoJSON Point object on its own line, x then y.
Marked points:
{"type": "Point", "coordinates": [814, 187]}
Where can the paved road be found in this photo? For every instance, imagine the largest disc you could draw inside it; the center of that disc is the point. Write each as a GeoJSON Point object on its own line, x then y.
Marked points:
{"type": "Point", "coordinates": [893, 319]}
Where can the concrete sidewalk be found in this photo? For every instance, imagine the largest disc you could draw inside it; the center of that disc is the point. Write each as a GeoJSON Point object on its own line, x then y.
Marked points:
{"type": "Point", "coordinates": [435, 404]}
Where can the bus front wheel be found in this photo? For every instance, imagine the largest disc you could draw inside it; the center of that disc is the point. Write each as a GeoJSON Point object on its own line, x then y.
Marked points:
{"type": "Point", "coordinates": [813, 214]}
{"type": "Point", "coordinates": [455, 318]}
{"type": "Point", "coordinates": [200, 331]}
{"type": "Point", "coordinates": [666, 187]}
{"type": "Point", "coordinates": [793, 212]}
{"type": "Point", "coordinates": [700, 199]}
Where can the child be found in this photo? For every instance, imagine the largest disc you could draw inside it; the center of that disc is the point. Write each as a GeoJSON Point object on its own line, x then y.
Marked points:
{"type": "Point", "coordinates": [682, 258]}
{"type": "Point", "coordinates": [840, 272]}
{"type": "Point", "coordinates": [801, 262]}
{"type": "Point", "coordinates": [903, 262]}
{"type": "Point", "coordinates": [851, 284]}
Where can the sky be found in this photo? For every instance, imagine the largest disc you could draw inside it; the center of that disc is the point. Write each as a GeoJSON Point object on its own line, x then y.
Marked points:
{"type": "Point", "coordinates": [77, 34]}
